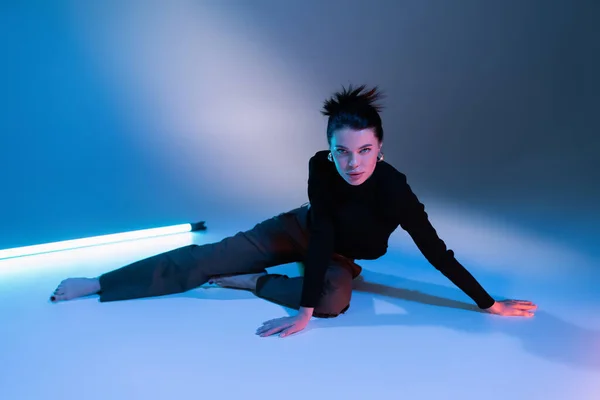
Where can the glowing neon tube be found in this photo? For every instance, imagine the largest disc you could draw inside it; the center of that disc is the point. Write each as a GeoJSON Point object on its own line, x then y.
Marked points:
{"type": "Point", "coordinates": [99, 240]}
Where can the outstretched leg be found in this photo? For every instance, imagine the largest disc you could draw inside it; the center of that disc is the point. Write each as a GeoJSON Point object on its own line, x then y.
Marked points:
{"type": "Point", "coordinates": [75, 287]}
{"type": "Point", "coordinates": [272, 242]}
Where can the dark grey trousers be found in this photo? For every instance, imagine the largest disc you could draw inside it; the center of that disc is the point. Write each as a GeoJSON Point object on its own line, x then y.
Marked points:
{"type": "Point", "coordinates": [279, 240]}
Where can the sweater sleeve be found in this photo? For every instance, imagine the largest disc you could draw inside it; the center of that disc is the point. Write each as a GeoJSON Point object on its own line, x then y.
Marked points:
{"type": "Point", "coordinates": [321, 236]}
{"type": "Point", "coordinates": [415, 221]}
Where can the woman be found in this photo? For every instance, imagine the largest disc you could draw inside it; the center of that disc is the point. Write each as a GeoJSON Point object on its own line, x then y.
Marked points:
{"type": "Point", "coordinates": [357, 200]}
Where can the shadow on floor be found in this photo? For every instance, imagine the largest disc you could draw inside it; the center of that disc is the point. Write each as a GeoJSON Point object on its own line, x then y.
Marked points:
{"type": "Point", "coordinates": [545, 335]}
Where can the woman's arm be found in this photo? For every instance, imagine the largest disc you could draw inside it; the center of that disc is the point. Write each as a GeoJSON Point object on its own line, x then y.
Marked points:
{"type": "Point", "coordinates": [321, 235]}
{"type": "Point", "coordinates": [415, 221]}
{"type": "Point", "coordinates": [319, 252]}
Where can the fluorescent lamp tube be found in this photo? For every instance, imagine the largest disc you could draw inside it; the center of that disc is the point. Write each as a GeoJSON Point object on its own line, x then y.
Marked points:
{"type": "Point", "coordinates": [99, 240]}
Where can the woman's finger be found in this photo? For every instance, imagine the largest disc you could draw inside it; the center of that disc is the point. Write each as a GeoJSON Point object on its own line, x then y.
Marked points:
{"type": "Point", "coordinates": [524, 302]}
{"type": "Point", "coordinates": [523, 306]}
{"type": "Point", "coordinates": [272, 331]}
{"type": "Point", "coordinates": [528, 307]}
{"type": "Point", "coordinates": [289, 331]}
{"type": "Point", "coordinates": [268, 330]}
{"type": "Point", "coordinates": [264, 328]}
{"type": "Point", "coordinates": [268, 324]}
{"type": "Point", "coordinates": [524, 313]}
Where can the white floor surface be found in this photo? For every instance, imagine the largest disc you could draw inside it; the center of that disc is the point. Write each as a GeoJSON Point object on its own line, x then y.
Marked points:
{"type": "Point", "coordinates": [406, 336]}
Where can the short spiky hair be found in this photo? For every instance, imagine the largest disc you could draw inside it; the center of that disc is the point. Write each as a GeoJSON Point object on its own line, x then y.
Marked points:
{"type": "Point", "coordinates": [354, 108]}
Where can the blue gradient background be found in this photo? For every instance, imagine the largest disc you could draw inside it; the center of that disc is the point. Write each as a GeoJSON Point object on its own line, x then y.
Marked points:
{"type": "Point", "coordinates": [121, 116]}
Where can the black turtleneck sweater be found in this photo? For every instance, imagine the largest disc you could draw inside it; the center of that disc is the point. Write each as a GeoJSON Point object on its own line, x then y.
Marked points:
{"type": "Point", "coordinates": [357, 221]}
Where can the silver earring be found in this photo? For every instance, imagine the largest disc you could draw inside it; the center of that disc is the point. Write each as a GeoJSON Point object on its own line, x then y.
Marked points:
{"type": "Point", "coordinates": [380, 156]}
{"type": "Point", "coordinates": [330, 157]}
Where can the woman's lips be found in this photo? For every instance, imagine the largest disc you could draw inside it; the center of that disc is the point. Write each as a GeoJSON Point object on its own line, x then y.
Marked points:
{"type": "Point", "coordinates": [354, 175]}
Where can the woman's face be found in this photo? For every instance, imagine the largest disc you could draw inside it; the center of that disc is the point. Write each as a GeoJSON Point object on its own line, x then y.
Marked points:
{"type": "Point", "coordinates": [355, 153]}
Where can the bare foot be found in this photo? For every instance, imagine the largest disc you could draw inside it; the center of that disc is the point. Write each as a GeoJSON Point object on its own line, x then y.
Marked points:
{"type": "Point", "coordinates": [246, 281]}
{"type": "Point", "coordinates": [75, 287]}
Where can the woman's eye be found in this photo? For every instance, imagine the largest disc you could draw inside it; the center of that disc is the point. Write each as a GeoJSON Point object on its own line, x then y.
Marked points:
{"type": "Point", "coordinates": [363, 151]}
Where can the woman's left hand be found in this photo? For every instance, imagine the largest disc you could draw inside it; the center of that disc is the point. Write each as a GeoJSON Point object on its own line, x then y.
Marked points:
{"type": "Point", "coordinates": [511, 308]}
{"type": "Point", "coordinates": [284, 326]}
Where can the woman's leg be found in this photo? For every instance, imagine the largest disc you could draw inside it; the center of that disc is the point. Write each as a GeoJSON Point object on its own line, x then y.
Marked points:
{"type": "Point", "coordinates": [335, 299]}
{"type": "Point", "coordinates": [286, 291]}
{"type": "Point", "coordinates": [269, 243]}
